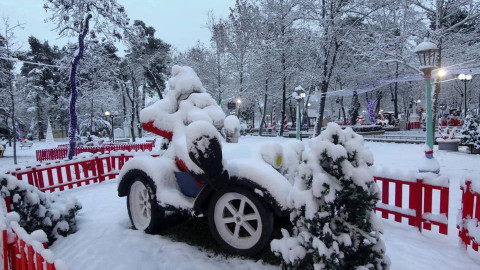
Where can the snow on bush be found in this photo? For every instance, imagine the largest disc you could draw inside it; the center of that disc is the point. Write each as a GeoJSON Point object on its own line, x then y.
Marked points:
{"type": "Point", "coordinates": [471, 132]}
{"type": "Point", "coordinates": [332, 201]}
{"type": "Point", "coordinates": [53, 214]}
{"type": "Point", "coordinates": [232, 128]}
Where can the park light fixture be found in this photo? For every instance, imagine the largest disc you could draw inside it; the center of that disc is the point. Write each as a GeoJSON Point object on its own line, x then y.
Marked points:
{"type": "Point", "coordinates": [441, 72]}
{"type": "Point", "coordinates": [239, 101]}
{"type": "Point", "coordinates": [426, 52]}
{"type": "Point", "coordinates": [299, 94]}
{"type": "Point", "coordinates": [108, 113]}
{"type": "Point", "coordinates": [465, 78]}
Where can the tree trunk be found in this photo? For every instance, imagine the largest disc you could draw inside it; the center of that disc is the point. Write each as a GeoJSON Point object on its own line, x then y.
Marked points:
{"type": "Point", "coordinates": [284, 89]}
{"type": "Point", "coordinates": [91, 116]}
{"type": "Point", "coordinates": [73, 89]}
{"type": "Point", "coordinates": [321, 109]}
{"type": "Point", "coordinates": [262, 122]}
{"type": "Point", "coordinates": [14, 130]}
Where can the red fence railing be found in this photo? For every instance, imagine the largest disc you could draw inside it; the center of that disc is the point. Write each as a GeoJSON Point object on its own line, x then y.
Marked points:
{"type": "Point", "coordinates": [24, 251]}
{"type": "Point", "coordinates": [61, 152]}
{"type": "Point", "coordinates": [470, 219]}
{"type": "Point", "coordinates": [414, 125]}
{"type": "Point", "coordinates": [60, 175]}
{"type": "Point", "coordinates": [417, 205]}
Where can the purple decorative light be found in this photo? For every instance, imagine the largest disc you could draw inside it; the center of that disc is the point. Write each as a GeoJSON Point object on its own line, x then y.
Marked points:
{"type": "Point", "coordinates": [72, 128]}
{"type": "Point", "coordinates": [371, 105]}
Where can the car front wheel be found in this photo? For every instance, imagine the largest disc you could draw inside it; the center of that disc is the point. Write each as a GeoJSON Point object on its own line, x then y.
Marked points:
{"type": "Point", "coordinates": [240, 222]}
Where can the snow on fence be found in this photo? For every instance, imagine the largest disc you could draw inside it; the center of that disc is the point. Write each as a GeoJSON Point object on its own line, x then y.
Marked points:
{"type": "Point", "coordinates": [24, 251]}
{"type": "Point", "coordinates": [61, 152]}
{"type": "Point", "coordinates": [67, 174]}
{"type": "Point", "coordinates": [469, 225]}
{"type": "Point", "coordinates": [413, 199]}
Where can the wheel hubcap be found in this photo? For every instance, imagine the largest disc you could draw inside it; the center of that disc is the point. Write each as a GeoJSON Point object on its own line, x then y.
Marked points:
{"type": "Point", "coordinates": [140, 207]}
{"type": "Point", "coordinates": [237, 220]}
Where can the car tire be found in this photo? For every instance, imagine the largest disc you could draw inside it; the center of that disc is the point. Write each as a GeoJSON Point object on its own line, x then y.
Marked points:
{"type": "Point", "coordinates": [239, 221]}
{"type": "Point", "coordinates": [143, 209]}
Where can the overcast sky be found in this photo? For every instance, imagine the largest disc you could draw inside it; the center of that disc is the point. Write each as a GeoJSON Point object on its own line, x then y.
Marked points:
{"type": "Point", "coordinates": [178, 22]}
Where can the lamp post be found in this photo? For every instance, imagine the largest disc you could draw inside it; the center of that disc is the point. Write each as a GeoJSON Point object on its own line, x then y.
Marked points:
{"type": "Point", "coordinates": [426, 52]}
{"type": "Point", "coordinates": [298, 95]}
{"type": "Point", "coordinates": [107, 113]}
{"type": "Point", "coordinates": [465, 78]}
{"type": "Point", "coordinates": [239, 102]}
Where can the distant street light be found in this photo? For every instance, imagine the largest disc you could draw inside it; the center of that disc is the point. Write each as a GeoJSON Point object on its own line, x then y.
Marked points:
{"type": "Point", "coordinates": [298, 95]}
{"type": "Point", "coordinates": [465, 78]}
{"type": "Point", "coordinates": [426, 52]}
{"type": "Point", "coordinates": [107, 113]}
{"type": "Point", "coordinates": [239, 102]}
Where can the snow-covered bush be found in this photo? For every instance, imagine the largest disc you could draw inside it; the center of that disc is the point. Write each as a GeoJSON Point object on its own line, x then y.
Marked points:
{"type": "Point", "coordinates": [471, 132]}
{"type": "Point", "coordinates": [231, 127]}
{"type": "Point", "coordinates": [51, 213]}
{"type": "Point", "coordinates": [332, 201]}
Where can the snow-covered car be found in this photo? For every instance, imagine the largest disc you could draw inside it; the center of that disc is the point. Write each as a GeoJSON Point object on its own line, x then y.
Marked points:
{"type": "Point", "coordinates": [200, 174]}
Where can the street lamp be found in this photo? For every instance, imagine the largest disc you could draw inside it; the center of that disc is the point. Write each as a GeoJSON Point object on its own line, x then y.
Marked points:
{"type": "Point", "coordinates": [465, 78]}
{"type": "Point", "coordinates": [298, 95]}
{"type": "Point", "coordinates": [239, 102]}
{"type": "Point", "coordinates": [107, 113]}
{"type": "Point", "coordinates": [426, 52]}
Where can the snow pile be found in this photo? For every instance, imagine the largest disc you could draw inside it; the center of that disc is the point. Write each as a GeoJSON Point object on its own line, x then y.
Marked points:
{"type": "Point", "coordinates": [232, 128]}
{"type": "Point", "coordinates": [36, 210]}
{"type": "Point", "coordinates": [333, 200]}
{"type": "Point", "coordinates": [186, 102]}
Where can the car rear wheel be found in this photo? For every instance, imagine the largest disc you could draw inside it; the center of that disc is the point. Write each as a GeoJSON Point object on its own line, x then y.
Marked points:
{"type": "Point", "coordinates": [143, 209]}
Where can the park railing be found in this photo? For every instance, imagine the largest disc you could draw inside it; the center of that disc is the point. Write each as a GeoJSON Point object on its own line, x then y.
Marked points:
{"type": "Point", "coordinates": [414, 125]}
{"type": "Point", "coordinates": [67, 174]}
{"type": "Point", "coordinates": [23, 251]}
{"type": "Point", "coordinates": [61, 152]}
{"type": "Point", "coordinates": [469, 226]}
{"type": "Point", "coordinates": [413, 198]}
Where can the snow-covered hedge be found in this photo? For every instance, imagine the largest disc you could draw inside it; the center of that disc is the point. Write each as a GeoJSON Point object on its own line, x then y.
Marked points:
{"type": "Point", "coordinates": [52, 213]}
{"type": "Point", "coordinates": [332, 202]}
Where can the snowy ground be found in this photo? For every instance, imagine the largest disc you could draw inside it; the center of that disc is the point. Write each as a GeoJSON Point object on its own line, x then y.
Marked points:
{"type": "Point", "coordinates": [105, 239]}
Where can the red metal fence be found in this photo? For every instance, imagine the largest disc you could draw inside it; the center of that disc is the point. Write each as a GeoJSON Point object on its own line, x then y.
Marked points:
{"type": "Point", "coordinates": [470, 218]}
{"type": "Point", "coordinates": [61, 152]}
{"type": "Point", "coordinates": [60, 175]}
{"type": "Point", "coordinates": [23, 251]}
{"type": "Point", "coordinates": [418, 210]}
{"type": "Point", "coordinates": [414, 125]}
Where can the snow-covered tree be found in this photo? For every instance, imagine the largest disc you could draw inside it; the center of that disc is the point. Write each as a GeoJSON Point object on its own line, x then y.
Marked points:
{"type": "Point", "coordinates": [471, 132]}
{"type": "Point", "coordinates": [8, 88]}
{"type": "Point", "coordinates": [333, 198]}
{"type": "Point", "coordinates": [73, 18]}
